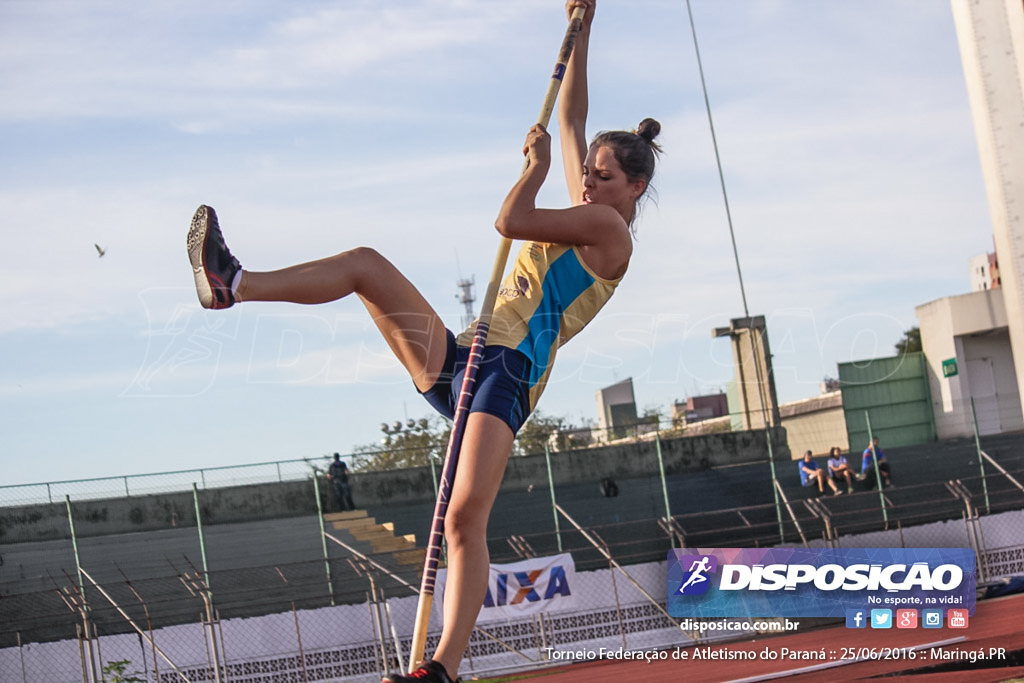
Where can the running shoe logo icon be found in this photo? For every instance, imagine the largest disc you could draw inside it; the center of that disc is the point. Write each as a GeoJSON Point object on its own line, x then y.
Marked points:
{"type": "Point", "coordinates": [698, 567]}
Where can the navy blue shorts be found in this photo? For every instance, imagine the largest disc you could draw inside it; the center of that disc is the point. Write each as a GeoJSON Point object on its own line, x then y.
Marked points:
{"type": "Point", "coordinates": [501, 389]}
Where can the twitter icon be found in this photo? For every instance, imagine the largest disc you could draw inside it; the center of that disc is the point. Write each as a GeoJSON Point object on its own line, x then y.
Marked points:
{"type": "Point", "coordinates": [881, 618]}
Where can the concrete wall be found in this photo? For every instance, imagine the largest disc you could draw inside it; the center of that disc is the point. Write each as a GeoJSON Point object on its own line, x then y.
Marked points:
{"type": "Point", "coordinates": [991, 382]}
{"type": "Point", "coordinates": [375, 490]}
{"type": "Point", "coordinates": [969, 328]}
{"type": "Point", "coordinates": [815, 424]}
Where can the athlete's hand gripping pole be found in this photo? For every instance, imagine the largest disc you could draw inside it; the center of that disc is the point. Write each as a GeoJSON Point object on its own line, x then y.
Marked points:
{"type": "Point", "coordinates": [451, 457]}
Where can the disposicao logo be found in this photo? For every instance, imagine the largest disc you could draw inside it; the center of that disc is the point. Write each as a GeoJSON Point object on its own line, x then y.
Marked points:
{"type": "Point", "coordinates": [818, 582]}
{"type": "Point", "coordinates": [696, 581]}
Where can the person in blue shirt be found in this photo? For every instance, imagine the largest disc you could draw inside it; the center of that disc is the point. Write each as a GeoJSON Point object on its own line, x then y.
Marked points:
{"type": "Point", "coordinates": [867, 467]}
{"type": "Point", "coordinates": [839, 468]}
{"type": "Point", "coordinates": [811, 474]}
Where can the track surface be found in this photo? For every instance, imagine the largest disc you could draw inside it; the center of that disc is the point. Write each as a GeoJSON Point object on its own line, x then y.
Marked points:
{"type": "Point", "coordinates": [996, 624]}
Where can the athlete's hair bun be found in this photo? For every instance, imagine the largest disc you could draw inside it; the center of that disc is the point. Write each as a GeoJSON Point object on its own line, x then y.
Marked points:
{"type": "Point", "coordinates": [648, 130]}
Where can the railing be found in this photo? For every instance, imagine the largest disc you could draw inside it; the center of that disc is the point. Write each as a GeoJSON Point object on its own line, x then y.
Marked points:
{"type": "Point", "coordinates": [160, 482]}
{"type": "Point", "coordinates": [138, 606]}
{"type": "Point", "coordinates": [181, 481]}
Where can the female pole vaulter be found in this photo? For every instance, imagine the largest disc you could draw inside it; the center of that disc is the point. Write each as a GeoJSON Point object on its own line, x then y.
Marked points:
{"type": "Point", "coordinates": [569, 266]}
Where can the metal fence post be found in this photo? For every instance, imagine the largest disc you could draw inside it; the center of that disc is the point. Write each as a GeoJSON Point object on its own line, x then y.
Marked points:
{"type": "Point", "coordinates": [85, 628]}
{"type": "Point", "coordinates": [618, 603]}
{"type": "Point", "coordinates": [298, 639]}
{"type": "Point", "coordinates": [224, 654]}
{"type": "Point", "coordinates": [433, 472]}
{"type": "Point", "coordinates": [981, 460]}
{"type": "Point", "coordinates": [775, 479]}
{"type": "Point", "coordinates": [878, 474]}
{"type": "Point", "coordinates": [21, 657]}
{"type": "Point", "coordinates": [74, 547]}
{"type": "Point", "coordinates": [323, 534]}
{"type": "Point", "coordinates": [664, 484]}
{"type": "Point", "coordinates": [551, 487]}
{"type": "Point", "coordinates": [202, 540]}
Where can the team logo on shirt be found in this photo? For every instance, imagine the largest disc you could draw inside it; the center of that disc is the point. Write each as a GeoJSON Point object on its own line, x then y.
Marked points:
{"type": "Point", "coordinates": [522, 286]}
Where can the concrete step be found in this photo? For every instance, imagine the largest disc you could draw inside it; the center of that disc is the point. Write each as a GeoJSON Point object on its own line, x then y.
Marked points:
{"type": "Point", "coordinates": [413, 556]}
{"type": "Point", "coordinates": [360, 523]}
{"type": "Point", "coordinates": [349, 515]}
{"type": "Point", "coordinates": [380, 535]}
{"type": "Point", "coordinates": [391, 545]}
{"type": "Point", "coordinates": [390, 541]}
{"type": "Point", "coordinates": [368, 532]}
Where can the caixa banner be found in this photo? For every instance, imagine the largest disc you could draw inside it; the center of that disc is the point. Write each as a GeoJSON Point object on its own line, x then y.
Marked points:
{"type": "Point", "coordinates": [817, 582]}
{"type": "Point", "coordinates": [527, 587]}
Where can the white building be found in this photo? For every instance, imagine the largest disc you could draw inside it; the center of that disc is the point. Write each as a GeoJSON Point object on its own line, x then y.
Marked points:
{"type": "Point", "coordinates": [984, 272]}
{"type": "Point", "coordinates": [975, 330]}
{"type": "Point", "coordinates": [966, 342]}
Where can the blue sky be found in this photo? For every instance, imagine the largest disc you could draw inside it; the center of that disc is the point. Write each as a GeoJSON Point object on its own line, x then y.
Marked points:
{"type": "Point", "coordinates": [844, 131]}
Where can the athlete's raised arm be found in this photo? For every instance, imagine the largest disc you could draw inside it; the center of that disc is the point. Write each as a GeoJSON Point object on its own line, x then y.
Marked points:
{"type": "Point", "coordinates": [574, 104]}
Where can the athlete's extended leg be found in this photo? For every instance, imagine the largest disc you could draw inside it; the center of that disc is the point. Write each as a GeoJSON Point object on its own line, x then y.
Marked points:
{"type": "Point", "coordinates": [409, 324]}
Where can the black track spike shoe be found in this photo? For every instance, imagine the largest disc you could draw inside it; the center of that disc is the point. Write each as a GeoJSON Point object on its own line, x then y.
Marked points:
{"type": "Point", "coordinates": [212, 263]}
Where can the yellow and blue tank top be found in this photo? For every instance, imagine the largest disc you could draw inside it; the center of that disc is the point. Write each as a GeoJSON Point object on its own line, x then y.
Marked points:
{"type": "Point", "coordinates": [546, 299]}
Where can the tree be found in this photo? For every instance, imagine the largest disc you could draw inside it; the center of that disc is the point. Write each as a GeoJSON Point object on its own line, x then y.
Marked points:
{"type": "Point", "coordinates": [411, 444]}
{"type": "Point", "coordinates": [652, 415]}
{"type": "Point", "coordinates": [536, 434]}
{"type": "Point", "coordinates": [554, 431]}
{"type": "Point", "coordinates": [911, 342]}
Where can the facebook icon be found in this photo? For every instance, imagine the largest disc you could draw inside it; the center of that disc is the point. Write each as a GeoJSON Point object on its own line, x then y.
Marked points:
{"type": "Point", "coordinates": [856, 618]}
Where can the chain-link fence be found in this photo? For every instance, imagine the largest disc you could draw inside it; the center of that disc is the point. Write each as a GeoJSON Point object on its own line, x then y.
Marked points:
{"type": "Point", "coordinates": [214, 583]}
{"type": "Point", "coordinates": [136, 485]}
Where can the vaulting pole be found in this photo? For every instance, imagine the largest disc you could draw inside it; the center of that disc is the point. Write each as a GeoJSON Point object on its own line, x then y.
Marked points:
{"type": "Point", "coordinates": [451, 457]}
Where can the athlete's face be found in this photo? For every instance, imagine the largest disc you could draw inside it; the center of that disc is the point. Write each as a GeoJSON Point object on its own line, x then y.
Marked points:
{"type": "Point", "coordinates": [604, 182]}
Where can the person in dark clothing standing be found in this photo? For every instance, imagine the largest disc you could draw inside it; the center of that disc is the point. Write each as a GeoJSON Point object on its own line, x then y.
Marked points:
{"type": "Point", "coordinates": [338, 474]}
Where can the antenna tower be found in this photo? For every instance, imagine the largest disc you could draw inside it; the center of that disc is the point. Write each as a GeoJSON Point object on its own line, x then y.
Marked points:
{"type": "Point", "coordinates": [466, 298]}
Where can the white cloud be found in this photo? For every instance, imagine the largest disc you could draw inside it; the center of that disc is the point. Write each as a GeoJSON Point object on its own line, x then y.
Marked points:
{"type": "Point", "coordinates": [843, 129]}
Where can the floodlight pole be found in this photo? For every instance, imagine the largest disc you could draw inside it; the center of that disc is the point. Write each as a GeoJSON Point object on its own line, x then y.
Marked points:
{"type": "Point", "coordinates": [739, 274]}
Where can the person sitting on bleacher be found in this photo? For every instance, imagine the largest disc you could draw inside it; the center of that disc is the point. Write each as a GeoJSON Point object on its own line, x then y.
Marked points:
{"type": "Point", "coordinates": [839, 469]}
{"type": "Point", "coordinates": [867, 467]}
{"type": "Point", "coordinates": [811, 474]}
